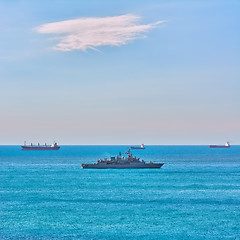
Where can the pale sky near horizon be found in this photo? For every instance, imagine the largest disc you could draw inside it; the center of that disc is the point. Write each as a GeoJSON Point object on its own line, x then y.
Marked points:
{"type": "Point", "coordinates": [125, 72]}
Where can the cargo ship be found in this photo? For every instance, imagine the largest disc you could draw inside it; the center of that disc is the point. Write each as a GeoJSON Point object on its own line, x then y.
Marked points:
{"type": "Point", "coordinates": [39, 147]}
{"type": "Point", "coordinates": [227, 145]}
{"type": "Point", "coordinates": [121, 162]}
{"type": "Point", "coordinates": [141, 147]}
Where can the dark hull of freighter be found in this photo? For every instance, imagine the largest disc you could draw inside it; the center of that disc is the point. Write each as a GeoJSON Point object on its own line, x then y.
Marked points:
{"type": "Point", "coordinates": [122, 166]}
{"type": "Point", "coordinates": [132, 148]}
{"type": "Point", "coordinates": [26, 148]}
{"type": "Point", "coordinates": [216, 146]}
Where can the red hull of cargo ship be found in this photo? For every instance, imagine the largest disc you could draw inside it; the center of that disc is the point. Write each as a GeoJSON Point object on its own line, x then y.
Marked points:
{"type": "Point", "coordinates": [215, 146]}
{"type": "Point", "coordinates": [227, 145]}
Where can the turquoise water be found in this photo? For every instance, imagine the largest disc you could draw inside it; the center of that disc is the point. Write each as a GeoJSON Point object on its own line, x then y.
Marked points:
{"type": "Point", "coordinates": [46, 195]}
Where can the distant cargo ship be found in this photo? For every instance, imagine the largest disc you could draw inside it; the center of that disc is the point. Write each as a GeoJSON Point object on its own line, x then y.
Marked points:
{"type": "Point", "coordinates": [227, 145]}
{"type": "Point", "coordinates": [39, 147]}
{"type": "Point", "coordinates": [141, 147]}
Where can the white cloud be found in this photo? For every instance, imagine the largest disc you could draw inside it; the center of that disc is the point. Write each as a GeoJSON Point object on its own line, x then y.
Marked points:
{"type": "Point", "coordinates": [84, 33]}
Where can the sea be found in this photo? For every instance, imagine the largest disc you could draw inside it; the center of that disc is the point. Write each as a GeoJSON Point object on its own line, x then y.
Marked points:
{"type": "Point", "coordinates": [47, 195]}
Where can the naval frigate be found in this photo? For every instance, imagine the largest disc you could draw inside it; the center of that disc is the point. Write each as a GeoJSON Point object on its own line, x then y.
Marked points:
{"type": "Point", "coordinates": [122, 162]}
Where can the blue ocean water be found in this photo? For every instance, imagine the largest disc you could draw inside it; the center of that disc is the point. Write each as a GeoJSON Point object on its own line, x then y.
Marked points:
{"type": "Point", "coordinates": [46, 195]}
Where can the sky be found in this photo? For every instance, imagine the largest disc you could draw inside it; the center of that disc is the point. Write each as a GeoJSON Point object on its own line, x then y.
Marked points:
{"type": "Point", "coordinates": [120, 72]}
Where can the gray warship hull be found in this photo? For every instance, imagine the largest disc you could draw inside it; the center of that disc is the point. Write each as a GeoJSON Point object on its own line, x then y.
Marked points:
{"type": "Point", "coordinates": [122, 166]}
{"type": "Point", "coordinates": [121, 162]}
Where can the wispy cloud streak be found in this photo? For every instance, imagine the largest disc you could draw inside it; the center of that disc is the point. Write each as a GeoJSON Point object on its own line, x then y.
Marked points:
{"type": "Point", "coordinates": [90, 33]}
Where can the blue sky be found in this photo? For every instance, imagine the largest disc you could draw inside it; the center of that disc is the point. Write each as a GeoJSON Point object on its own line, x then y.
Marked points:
{"type": "Point", "coordinates": [175, 82]}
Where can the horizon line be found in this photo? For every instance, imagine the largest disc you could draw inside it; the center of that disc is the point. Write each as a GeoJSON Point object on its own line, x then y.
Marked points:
{"type": "Point", "coordinates": [123, 144]}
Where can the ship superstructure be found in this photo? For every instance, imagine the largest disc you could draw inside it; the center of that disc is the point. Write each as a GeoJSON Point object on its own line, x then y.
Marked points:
{"type": "Point", "coordinates": [39, 147]}
{"type": "Point", "coordinates": [122, 162]}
